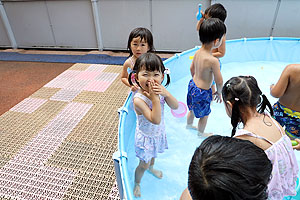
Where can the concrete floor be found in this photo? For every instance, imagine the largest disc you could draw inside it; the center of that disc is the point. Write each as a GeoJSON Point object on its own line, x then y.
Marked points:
{"type": "Point", "coordinates": [77, 52]}
{"type": "Point", "coordinates": [18, 80]}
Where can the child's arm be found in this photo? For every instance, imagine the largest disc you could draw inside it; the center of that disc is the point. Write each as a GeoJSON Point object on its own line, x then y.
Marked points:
{"type": "Point", "coordinates": [124, 75]}
{"type": "Point", "coordinates": [154, 115]}
{"type": "Point", "coordinates": [192, 68]}
{"type": "Point", "coordinates": [220, 52]}
{"type": "Point", "coordinates": [169, 98]}
{"type": "Point", "coordinates": [218, 79]}
{"type": "Point", "coordinates": [279, 88]}
{"type": "Point", "coordinates": [200, 21]}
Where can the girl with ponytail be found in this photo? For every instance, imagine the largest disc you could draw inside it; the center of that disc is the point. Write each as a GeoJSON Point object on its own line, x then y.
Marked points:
{"type": "Point", "coordinates": [245, 104]}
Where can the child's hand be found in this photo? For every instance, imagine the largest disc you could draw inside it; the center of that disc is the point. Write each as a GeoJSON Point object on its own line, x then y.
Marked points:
{"type": "Point", "coordinates": [297, 147]}
{"type": "Point", "coordinates": [159, 89]}
{"type": "Point", "coordinates": [151, 94]}
{"type": "Point", "coordinates": [134, 88]}
{"type": "Point", "coordinates": [217, 97]}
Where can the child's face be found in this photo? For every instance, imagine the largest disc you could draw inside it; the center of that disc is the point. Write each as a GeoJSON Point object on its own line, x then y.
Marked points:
{"type": "Point", "coordinates": [144, 77]}
{"type": "Point", "coordinates": [138, 46]}
{"type": "Point", "coordinates": [228, 108]}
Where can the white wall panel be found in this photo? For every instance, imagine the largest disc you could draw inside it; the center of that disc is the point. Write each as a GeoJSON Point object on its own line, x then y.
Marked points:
{"type": "Point", "coordinates": [119, 17]}
{"type": "Point", "coordinates": [72, 23]}
{"type": "Point", "coordinates": [174, 24]}
{"type": "Point", "coordinates": [30, 23]}
{"type": "Point", "coordinates": [4, 40]}
{"type": "Point", "coordinates": [249, 18]}
{"type": "Point", "coordinates": [288, 19]}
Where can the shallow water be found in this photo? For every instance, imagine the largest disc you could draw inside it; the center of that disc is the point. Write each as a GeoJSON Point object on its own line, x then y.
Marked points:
{"type": "Point", "coordinates": [174, 162]}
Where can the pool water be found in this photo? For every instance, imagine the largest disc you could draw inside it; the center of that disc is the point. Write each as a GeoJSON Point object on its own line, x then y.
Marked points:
{"type": "Point", "coordinates": [174, 162]}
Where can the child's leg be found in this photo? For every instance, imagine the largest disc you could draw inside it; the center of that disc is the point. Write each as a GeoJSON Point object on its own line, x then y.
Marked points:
{"type": "Point", "coordinates": [156, 173]}
{"type": "Point", "coordinates": [190, 120]}
{"type": "Point", "coordinates": [139, 172]}
{"type": "Point", "coordinates": [201, 126]}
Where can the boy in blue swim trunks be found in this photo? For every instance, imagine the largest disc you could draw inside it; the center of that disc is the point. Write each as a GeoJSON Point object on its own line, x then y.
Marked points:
{"type": "Point", "coordinates": [204, 69]}
{"type": "Point", "coordinates": [287, 109]}
{"type": "Point", "coordinates": [216, 10]}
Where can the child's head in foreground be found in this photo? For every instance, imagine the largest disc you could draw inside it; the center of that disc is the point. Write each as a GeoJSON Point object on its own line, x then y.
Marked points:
{"type": "Point", "coordinates": [216, 11]}
{"type": "Point", "coordinates": [229, 169]}
{"type": "Point", "coordinates": [243, 93]}
{"type": "Point", "coordinates": [140, 35]}
{"type": "Point", "coordinates": [211, 30]}
{"type": "Point", "coordinates": [149, 62]}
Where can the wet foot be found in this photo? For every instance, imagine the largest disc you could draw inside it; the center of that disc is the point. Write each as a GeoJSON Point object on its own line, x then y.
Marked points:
{"type": "Point", "coordinates": [156, 173]}
{"type": "Point", "coordinates": [189, 126]}
{"type": "Point", "coordinates": [204, 134]}
{"type": "Point", "coordinates": [137, 190]}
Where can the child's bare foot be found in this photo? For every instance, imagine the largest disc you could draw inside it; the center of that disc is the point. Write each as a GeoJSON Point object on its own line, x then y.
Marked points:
{"type": "Point", "coordinates": [156, 173]}
{"type": "Point", "coordinates": [189, 126]}
{"type": "Point", "coordinates": [204, 134]}
{"type": "Point", "coordinates": [137, 190]}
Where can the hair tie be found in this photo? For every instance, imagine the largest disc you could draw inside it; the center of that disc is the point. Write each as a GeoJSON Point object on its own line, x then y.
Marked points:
{"type": "Point", "coordinates": [132, 78]}
{"type": "Point", "coordinates": [236, 99]}
{"type": "Point", "coordinates": [167, 71]}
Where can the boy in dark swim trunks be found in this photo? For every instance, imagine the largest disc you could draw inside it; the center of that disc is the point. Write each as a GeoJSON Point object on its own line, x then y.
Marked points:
{"type": "Point", "coordinates": [216, 10]}
{"type": "Point", "coordinates": [204, 69]}
{"type": "Point", "coordinates": [287, 109]}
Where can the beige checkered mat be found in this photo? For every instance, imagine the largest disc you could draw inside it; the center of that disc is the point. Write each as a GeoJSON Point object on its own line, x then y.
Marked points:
{"type": "Point", "coordinates": [58, 143]}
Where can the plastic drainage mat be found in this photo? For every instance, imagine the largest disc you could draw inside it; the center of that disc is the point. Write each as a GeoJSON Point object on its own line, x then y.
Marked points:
{"type": "Point", "coordinates": [58, 143]}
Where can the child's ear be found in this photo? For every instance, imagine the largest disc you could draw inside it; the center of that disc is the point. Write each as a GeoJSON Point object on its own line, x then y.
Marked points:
{"type": "Point", "coordinates": [229, 104]}
{"type": "Point", "coordinates": [216, 42]}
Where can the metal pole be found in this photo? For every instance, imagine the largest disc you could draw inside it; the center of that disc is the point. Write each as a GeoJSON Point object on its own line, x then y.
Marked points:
{"type": "Point", "coordinates": [7, 26]}
{"type": "Point", "coordinates": [97, 24]}
{"type": "Point", "coordinates": [275, 17]}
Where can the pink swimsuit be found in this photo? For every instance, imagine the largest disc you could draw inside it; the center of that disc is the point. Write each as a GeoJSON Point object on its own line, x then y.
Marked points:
{"type": "Point", "coordinates": [285, 167]}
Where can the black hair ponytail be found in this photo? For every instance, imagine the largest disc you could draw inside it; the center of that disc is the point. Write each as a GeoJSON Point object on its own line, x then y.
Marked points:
{"type": "Point", "coordinates": [235, 117]}
{"type": "Point", "coordinates": [129, 77]}
{"type": "Point", "coordinates": [265, 102]}
{"type": "Point", "coordinates": [168, 80]}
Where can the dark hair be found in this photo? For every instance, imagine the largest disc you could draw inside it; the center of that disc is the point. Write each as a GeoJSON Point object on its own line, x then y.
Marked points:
{"type": "Point", "coordinates": [211, 29]}
{"type": "Point", "coordinates": [144, 34]}
{"type": "Point", "coordinates": [242, 92]}
{"type": "Point", "coordinates": [229, 169]}
{"type": "Point", "coordinates": [149, 62]}
{"type": "Point", "coordinates": [216, 11]}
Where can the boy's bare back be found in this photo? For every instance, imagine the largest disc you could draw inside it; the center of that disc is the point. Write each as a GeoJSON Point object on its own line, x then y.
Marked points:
{"type": "Point", "coordinates": [204, 68]}
{"type": "Point", "coordinates": [287, 89]}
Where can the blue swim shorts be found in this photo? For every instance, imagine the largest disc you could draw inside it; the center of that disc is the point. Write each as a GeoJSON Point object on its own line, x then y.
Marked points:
{"type": "Point", "coordinates": [199, 100]}
{"type": "Point", "coordinates": [288, 118]}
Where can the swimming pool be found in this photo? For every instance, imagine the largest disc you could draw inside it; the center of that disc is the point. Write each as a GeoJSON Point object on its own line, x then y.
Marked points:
{"type": "Point", "coordinates": [264, 58]}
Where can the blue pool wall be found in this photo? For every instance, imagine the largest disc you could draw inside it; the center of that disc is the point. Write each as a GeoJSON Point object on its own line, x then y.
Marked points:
{"type": "Point", "coordinates": [241, 50]}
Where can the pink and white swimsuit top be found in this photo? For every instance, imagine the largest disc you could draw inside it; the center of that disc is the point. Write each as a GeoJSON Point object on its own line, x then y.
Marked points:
{"type": "Point", "coordinates": [285, 167]}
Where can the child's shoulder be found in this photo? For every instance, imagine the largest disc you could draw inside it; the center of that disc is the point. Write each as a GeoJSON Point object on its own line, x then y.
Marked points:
{"type": "Point", "coordinates": [293, 68]}
{"type": "Point", "coordinates": [212, 60]}
{"type": "Point", "coordinates": [127, 62]}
